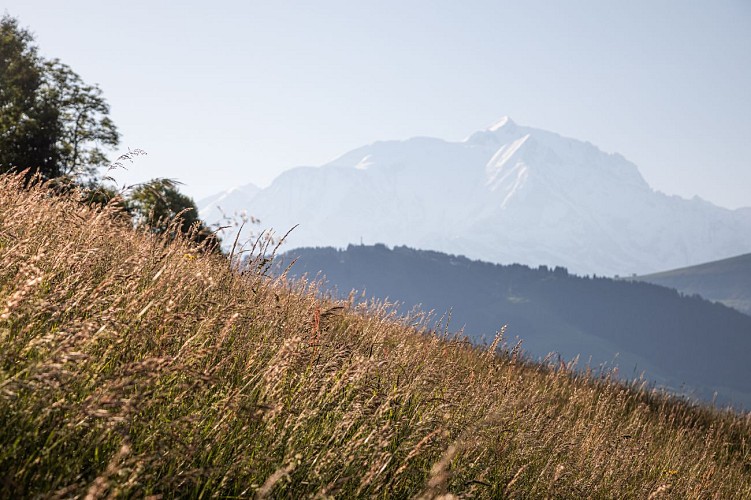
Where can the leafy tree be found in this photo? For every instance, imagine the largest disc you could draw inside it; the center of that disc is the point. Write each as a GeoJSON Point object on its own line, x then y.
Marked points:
{"type": "Point", "coordinates": [50, 120]}
{"type": "Point", "coordinates": [159, 206]}
{"type": "Point", "coordinates": [84, 126]}
{"type": "Point", "coordinates": [54, 124]}
{"type": "Point", "coordinates": [29, 124]}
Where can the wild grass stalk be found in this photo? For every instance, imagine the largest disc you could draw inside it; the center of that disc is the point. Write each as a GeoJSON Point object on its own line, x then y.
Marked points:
{"type": "Point", "coordinates": [134, 366]}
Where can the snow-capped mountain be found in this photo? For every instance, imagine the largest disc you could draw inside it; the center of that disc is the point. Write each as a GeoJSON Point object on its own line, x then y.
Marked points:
{"type": "Point", "coordinates": [505, 194]}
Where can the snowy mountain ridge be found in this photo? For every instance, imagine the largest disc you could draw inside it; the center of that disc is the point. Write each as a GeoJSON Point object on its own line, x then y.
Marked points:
{"type": "Point", "coordinates": [505, 194]}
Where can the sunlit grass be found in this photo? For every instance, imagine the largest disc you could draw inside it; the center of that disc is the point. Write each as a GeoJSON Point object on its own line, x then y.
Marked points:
{"type": "Point", "coordinates": [131, 366]}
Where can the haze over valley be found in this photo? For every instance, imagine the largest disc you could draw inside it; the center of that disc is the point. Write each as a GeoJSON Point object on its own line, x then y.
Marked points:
{"type": "Point", "coordinates": [506, 194]}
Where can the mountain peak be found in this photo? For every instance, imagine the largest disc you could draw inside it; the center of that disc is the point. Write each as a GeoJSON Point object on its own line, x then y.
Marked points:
{"type": "Point", "coordinates": [490, 136]}
{"type": "Point", "coordinates": [504, 122]}
{"type": "Point", "coordinates": [508, 193]}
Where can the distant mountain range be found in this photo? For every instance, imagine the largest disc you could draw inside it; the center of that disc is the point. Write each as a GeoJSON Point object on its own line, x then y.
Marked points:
{"type": "Point", "coordinates": [505, 194]}
{"type": "Point", "coordinates": [686, 344]}
{"type": "Point", "coordinates": [727, 281]}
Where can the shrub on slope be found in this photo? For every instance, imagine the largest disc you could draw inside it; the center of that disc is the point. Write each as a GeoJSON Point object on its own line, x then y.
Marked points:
{"type": "Point", "coordinates": [134, 366]}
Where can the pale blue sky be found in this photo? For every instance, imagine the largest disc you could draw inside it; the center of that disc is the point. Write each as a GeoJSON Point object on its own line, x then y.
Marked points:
{"type": "Point", "coordinates": [224, 93]}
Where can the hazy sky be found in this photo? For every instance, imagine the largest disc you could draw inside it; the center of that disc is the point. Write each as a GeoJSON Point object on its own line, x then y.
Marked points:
{"type": "Point", "coordinates": [224, 93]}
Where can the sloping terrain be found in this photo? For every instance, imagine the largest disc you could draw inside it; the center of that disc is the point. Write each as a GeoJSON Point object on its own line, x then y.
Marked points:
{"type": "Point", "coordinates": [727, 281]}
{"type": "Point", "coordinates": [133, 367]}
{"type": "Point", "coordinates": [687, 344]}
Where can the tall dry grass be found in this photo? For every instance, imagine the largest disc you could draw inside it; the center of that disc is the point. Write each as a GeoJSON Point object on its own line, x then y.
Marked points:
{"type": "Point", "coordinates": [132, 366]}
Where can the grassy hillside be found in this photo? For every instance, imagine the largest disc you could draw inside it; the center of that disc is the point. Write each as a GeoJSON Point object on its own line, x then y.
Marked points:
{"type": "Point", "coordinates": [133, 367]}
{"type": "Point", "coordinates": [686, 343]}
{"type": "Point", "coordinates": [727, 281]}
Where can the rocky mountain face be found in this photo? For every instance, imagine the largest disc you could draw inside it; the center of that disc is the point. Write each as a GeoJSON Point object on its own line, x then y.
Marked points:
{"type": "Point", "coordinates": [507, 194]}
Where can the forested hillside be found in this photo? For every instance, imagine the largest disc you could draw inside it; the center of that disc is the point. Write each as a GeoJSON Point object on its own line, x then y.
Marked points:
{"type": "Point", "coordinates": [686, 343]}
{"type": "Point", "coordinates": [727, 281]}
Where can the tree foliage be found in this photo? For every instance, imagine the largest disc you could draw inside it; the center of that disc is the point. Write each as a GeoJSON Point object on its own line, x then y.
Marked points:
{"type": "Point", "coordinates": [51, 122]}
{"type": "Point", "coordinates": [54, 124]}
{"type": "Point", "coordinates": [85, 128]}
{"type": "Point", "coordinates": [29, 124]}
{"type": "Point", "coordinates": [163, 209]}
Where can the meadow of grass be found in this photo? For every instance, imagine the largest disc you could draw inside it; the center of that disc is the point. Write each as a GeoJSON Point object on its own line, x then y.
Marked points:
{"type": "Point", "coordinates": [132, 366]}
